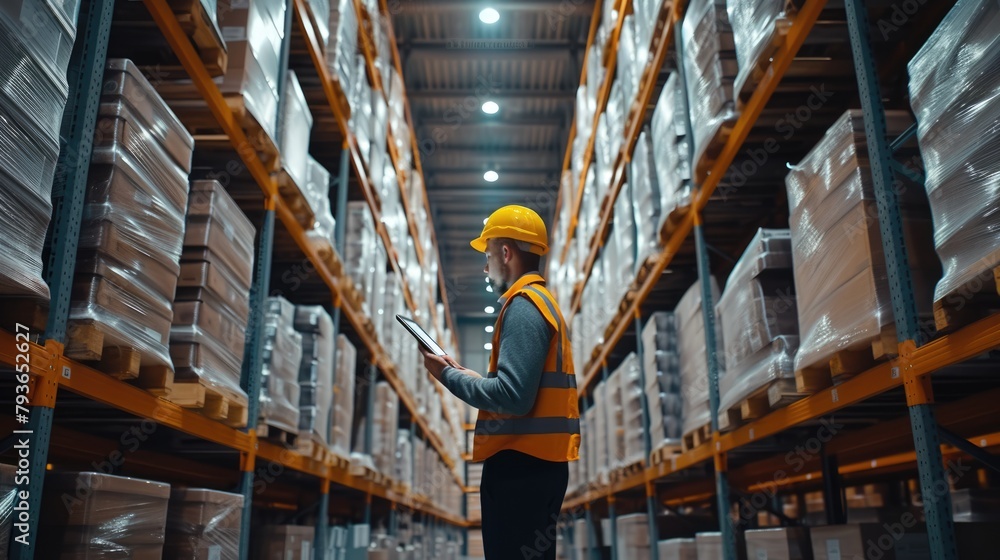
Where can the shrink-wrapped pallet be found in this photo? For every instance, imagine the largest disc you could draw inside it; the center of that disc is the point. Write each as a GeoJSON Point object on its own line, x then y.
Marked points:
{"type": "Point", "coordinates": [384, 434]}
{"type": "Point", "coordinates": [360, 250]}
{"type": "Point", "coordinates": [645, 199]}
{"type": "Point", "coordinates": [211, 312]}
{"type": "Point", "coordinates": [203, 525]}
{"type": "Point", "coordinates": [633, 536]}
{"type": "Point", "coordinates": [693, 357]}
{"type": "Point", "coordinates": [625, 238]}
{"type": "Point", "coordinates": [603, 432]}
{"type": "Point", "coordinates": [132, 228]}
{"type": "Point", "coordinates": [630, 382]}
{"type": "Point", "coordinates": [678, 549]}
{"type": "Point", "coordinates": [342, 45]}
{"type": "Point", "coordinates": [95, 515]}
{"type": "Point", "coordinates": [662, 377]}
{"type": "Point", "coordinates": [953, 90]}
{"type": "Point", "coordinates": [670, 151]}
{"type": "Point", "coordinates": [296, 126]}
{"type": "Point", "coordinates": [282, 357]}
{"type": "Point", "coordinates": [757, 309]}
{"type": "Point", "coordinates": [841, 281]}
{"type": "Point", "coordinates": [758, 27]}
{"type": "Point", "coordinates": [315, 378]}
{"type": "Point", "coordinates": [710, 68]}
{"type": "Point", "coordinates": [786, 543]}
{"type": "Point", "coordinates": [317, 192]}
{"type": "Point", "coordinates": [284, 541]}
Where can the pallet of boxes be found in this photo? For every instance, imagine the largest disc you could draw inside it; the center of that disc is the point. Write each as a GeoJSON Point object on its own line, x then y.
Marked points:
{"type": "Point", "coordinates": [696, 427]}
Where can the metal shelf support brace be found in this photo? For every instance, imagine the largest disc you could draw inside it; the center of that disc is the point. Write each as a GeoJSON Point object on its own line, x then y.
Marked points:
{"type": "Point", "coordinates": [937, 505]}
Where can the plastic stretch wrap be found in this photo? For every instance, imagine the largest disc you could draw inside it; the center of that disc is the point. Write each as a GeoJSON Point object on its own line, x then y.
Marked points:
{"type": "Point", "coordinates": [384, 434]}
{"type": "Point", "coordinates": [604, 431]}
{"type": "Point", "coordinates": [645, 199]}
{"type": "Point", "coordinates": [631, 62]}
{"type": "Point", "coordinates": [760, 319]}
{"type": "Point", "coordinates": [691, 345]}
{"type": "Point", "coordinates": [296, 125]}
{"type": "Point", "coordinates": [279, 396]}
{"type": "Point", "coordinates": [48, 36]}
{"type": "Point", "coordinates": [360, 249]}
{"type": "Point", "coordinates": [8, 497]}
{"type": "Point", "coordinates": [321, 16]}
{"type": "Point", "coordinates": [632, 395]}
{"type": "Point", "coordinates": [203, 525]}
{"type": "Point", "coordinates": [756, 24]}
{"type": "Point", "coordinates": [646, 12]}
{"type": "Point", "coordinates": [343, 397]}
{"type": "Point", "coordinates": [315, 371]}
{"type": "Point", "coordinates": [284, 541]}
{"type": "Point", "coordinates": [132, 231]}
{"type": "Point", "coordinates": [840, 276]}
{"type": "Point", "coordinates": [318, 192]}
{"type": "Point", "coordinates": [662, 377]}
{"type": "Point", "coordinates": [343, 43]}
{"type": "Point", "coordinates": [678, 549]}
{"type": "Point", "coordinates": [954, 87]}
{"type": "Point", "coordinates": [709, 70]}
{"type": "Point", "coordinates": [670, 149]}
{"type": "Point", "coordinates": [633, 536]}
{"type": "Point", "coordinates": [105, 516]}
{"type": "Point", "coordinates": [625, 234]}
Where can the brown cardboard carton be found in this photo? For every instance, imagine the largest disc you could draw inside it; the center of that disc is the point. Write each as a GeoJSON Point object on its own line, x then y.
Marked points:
{"type": "Point", "coordinates": [203, 525]}
{"type": "Point", "coordinates": [787, 543]}
{"type": "Point", "coordinates": [289, 542]}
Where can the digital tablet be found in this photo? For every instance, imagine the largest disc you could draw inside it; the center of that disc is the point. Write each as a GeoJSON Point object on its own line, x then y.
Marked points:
{"type": "Point", "coordinates": [421, 335]}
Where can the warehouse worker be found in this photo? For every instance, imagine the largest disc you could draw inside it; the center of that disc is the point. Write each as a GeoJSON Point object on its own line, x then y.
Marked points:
{"type": "Point", "coordinates": [529, 421]}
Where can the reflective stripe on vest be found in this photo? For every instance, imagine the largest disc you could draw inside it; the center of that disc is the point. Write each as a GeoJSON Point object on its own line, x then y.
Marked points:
{"type": "Point", "coordinates": [559, 330]}
{"type": "Point", "coordinates": [527, 426]}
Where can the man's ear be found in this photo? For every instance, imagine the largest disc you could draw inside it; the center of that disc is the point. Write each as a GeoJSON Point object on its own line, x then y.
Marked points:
{"type": "Point", "coordinates": [507, 254]}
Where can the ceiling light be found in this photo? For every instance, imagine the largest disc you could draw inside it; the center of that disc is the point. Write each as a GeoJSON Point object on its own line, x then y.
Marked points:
{"type": "Point", "coordinates": [489, 15]}
{"type": "Point", "coordinates": [487, 279]}
{"type": "Point", "coordinates": [491, 176]}
{"type": "Point", "coordinates": [489, 289]}
{"type": "Point", "coordinates": [489, 309]}
{"type": "Point", "coordinates": [489, 328]}
{"type": "Point", "coordinates": [484, 223]}
{"type": "Point", "coordinates": [488, 346]}
{"type": "Point", "coordinates": [490, 107]}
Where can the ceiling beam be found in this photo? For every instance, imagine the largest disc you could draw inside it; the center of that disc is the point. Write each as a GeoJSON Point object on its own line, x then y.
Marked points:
{"type": "Point", "coordinates": [556, 7]}
{"type": "Point", "coordinates": [498, 95]}
{"type": "Point", "coordinates": [505, 157]}
{"type": "Point", "coordinates": [501, 122]}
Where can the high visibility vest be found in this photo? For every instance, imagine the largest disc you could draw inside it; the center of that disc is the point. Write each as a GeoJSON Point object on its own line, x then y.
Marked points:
{"type": "Point", "coordinates": [551, 430]}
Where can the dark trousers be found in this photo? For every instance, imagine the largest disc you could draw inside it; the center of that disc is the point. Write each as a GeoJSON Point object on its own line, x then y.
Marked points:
{"type": "Point", "coordinates": [521, 498]}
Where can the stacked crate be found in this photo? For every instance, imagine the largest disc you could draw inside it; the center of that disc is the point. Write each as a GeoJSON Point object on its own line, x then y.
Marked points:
{"type": "Point", "coordinates": [645, 199]}
{"type": "Point", "coordinates": [671, 160]}
{"type": "Point", "coordinates": [710, 68]}
{"type": "Point", "coordinates": [360, 251]}
{"type": "Point", "coordinates": [630, 381]}
{"type": "Point", "coordinates": [694, 369]}
{"type": "Point", "coordinates": [343, 397]}
{"type": "Point", "coordinates": [662, 378]}
{"type": "Point", "coordinates": [211, 308]}
{"type": "Point", "coordinates": [95, 515]}
{"type": "Point", "coordinates": [384, 428]}
{"type": "Point", "coordinates": [761, 332]}
{"type": "Point", "coordinates": [632, 536]}
{"type": "Point", "coordinates": [132, 229]}
{"type": "Point", "coordinates": [203, 524]}
{"type": "Point", "coordinates": [315, 378]}
{"type": "Point", "coordinates": [282, 357]}
{"type": "Point", "coordinates": [841, 280]}
{"type": "Point", "coordinates": [953, 82]}
{"type": "Point", "coordinates": [33, 61]}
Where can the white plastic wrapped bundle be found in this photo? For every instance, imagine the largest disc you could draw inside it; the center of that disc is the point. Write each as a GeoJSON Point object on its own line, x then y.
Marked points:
{"type": "Point", "coordinates": [604, 157]}
{"type": "Point", "coordinates": [342, 45]}
{"type": "Point", "coordinates": [384, 433]}
{"type": "Point", "coordinates": [615, 414]}
{"type": "Point", "coordinates": [315, 371]}
{"type": "Point", "coordinates": [662, 377]}
{"type": "Point", "coordinates": [132, 228]}
{"type": "Point", "coordinates": [377, 155]}
{"type": "Point", "coordinates": [104, 516]}
{"type": "Point", "coordinates": [691, 346]}
{"type": "Point", "coordinates": [616, 112]}
{"type": "Point", "coordinates": [203, 523]}
{"type": "Point", "coordinates": [296, 126]}
{"type": "Point", "coordinates": [633, 536]}
{"type": "Point", "coordinates": [758, 310]}
{"type": "Point", "coordinates": [629, 66]}
{"type": "Point", "coordinates": [709, 70]}
{"type": "Point", "coordinates": [602, 433]}
{"type": "Point", "coordinates": [360, 248]}
{"type": "Point", "coordinates": [632, 396]}
{"type": "Point", "coordinates": [343, 397]}
{"type": "Point", "coordinates": [359, 98]}
{"type": "Point", "coordinates": [756, 24]}
{"type": "Point", "coordinates": [840, 276]}
{"type": "Point", "coordinates": [953, 92]}
{"type": "Point", "coordinates": [279, 395]}
{"type": "Point", "coordinates": [670, 149]}
{"type": "Point", "coordinates": [646, 12]}
{"type": "Point", "coordinates": [645, 199]}
{"type": "Point", "coordinates": [625, 233]}
{"type": "Point", "coordinates": [210, 311]}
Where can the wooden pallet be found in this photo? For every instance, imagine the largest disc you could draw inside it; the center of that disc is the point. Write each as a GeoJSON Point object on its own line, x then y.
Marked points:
{"type": "Point", "coordinates": [673, 221]}
{"type": "Point", "coordinates": [772, 396]}
{"type": "Point", "coordinates": [204, 33]}
{"type": "Point", "coordinates": [969, 303]}
{"type": "Point", "coordinates": [712, 150]}
{"type": "Point", "coordinates": [211, 401]}
{"type": "Point", "coordinates": [312, 446]}
{"type": "Point", "coordinates": [642, 272]}
{"type": "Point", "coordinates": [621, 473]}
{"type": "Point", "coordinates": [697, 437]}
{"type": "Point", "coordinates": [294, 197]}
{"type": "Point", "coordinates": [663, 453]}
{"type": "Point", "coordinates": [324, 249]}
{"type": "Point", "coordinates": [846, 363]}
{"type": "Point", "coordinates": [759, 68]}
{"type": "Point", "coordinates": [202, 124]}
{"type": "Point", "coordinates": [24, 311]}
{"type": "Point", "coordinates": [276, 435]}
{"type": "Point", "coordinates": [85, 342]}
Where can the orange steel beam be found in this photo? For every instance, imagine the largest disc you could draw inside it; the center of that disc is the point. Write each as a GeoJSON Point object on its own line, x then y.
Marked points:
{"type": "Point", "coordinates": [803, 24]}
{"type": "Point", "coordinates": [668, 15]}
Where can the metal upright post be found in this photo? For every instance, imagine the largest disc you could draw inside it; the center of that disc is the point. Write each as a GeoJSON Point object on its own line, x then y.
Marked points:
{"type": "Point", "coordinates": [919, 394]}
{"type": "Point", "coordinates": [591, 534]}
{"type": "Point", "coordinates": [832, 491]}
{"type": "Point", "coordinates": [84, 77]}
{"type": "Point", "coordinates": [613, 520]}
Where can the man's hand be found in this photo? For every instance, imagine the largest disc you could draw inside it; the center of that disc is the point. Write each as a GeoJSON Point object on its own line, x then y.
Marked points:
{"type": "Point", "coordinates": [436, 364]}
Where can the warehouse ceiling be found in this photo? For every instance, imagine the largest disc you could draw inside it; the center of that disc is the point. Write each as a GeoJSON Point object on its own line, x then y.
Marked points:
{"type": "Point", "coordinates": [529, 64]}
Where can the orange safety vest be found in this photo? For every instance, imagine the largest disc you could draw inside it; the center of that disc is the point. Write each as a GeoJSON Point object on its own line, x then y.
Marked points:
{"type": "Point", "coordinates": [551, 430]}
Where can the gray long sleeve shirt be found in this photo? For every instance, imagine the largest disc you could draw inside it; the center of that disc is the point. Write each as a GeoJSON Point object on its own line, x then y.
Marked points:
{"type": "Point", "coordinates": [524, 344]}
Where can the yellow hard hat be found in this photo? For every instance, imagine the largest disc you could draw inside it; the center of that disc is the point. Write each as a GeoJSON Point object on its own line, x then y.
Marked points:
{"type": "Point", "coordinates": [515, 222]}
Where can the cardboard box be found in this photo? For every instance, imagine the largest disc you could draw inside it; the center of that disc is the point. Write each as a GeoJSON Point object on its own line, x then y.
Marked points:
{"type": "Point", "coordinates": [288, 542]}
{"type": "Point", "coordinates": [789, 543]}
{"type": "Point", "coordinates": [871, 541]}
{"type": "Point", "coordinates": [678, 549]}
{"type": "Point", "coordinates": [203, 525]}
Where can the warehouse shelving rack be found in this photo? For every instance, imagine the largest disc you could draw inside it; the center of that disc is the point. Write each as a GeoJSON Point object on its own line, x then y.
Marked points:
{"type": "Point", "coordinates": [51, 370]}
{"type": "Point", "coordinates": [864, 453]}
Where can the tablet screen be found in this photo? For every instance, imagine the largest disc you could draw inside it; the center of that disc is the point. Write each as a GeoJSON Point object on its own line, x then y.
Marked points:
{"type": "Point", "coordinates": [421, 335]}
